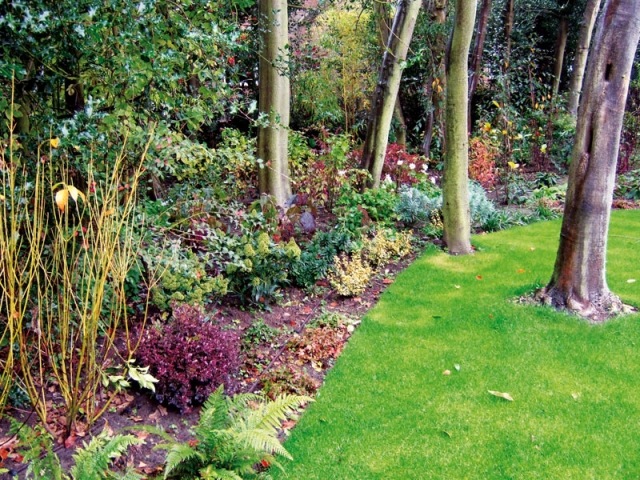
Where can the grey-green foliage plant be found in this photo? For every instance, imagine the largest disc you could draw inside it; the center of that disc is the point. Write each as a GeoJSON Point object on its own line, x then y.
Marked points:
{"type": "Point", "coordinates": [480, 206]}
{"type": "Point", "coordinates": [415, 206]}
{"type": "Point", "coordinates": [233, 436]}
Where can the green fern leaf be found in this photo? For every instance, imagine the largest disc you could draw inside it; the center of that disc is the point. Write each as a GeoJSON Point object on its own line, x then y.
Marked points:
{"type": "Point", "coordinates": [178, 455]}
{"type": "Point", "coordinates": [210, 473]}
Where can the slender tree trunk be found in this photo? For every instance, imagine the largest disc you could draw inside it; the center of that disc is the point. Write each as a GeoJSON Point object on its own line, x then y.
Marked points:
{"type": "Point", "coordinates": [433, 89]}
{"type": "Point", "coordinates": [579, 277]}
{"type": "Point", "coordinates": [455, 187]}
{"type": "Point", "coordinates": [384, 28]}
{"type": "Point", "coordinates": [273, 100]}
{"type": "Point", "coordinates": [475, 66]}
{"type": "Point", "coordinates": [509, 18]}
{"type": "Point", "coordinates": [582, 52]}
{"type": "Point", "coordinates": [561, 45]}
{"type": "Point", "coordinates": [384, 96]}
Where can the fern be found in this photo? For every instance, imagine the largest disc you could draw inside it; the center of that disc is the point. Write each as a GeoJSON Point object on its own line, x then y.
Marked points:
{"type": "Point", "coordinates": [92, 462]}
{"type": "Point", "coordinates": [232, 436]}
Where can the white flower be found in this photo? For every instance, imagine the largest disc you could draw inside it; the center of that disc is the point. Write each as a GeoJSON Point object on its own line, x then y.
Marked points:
{"type": "Point", "coordinates": [400, 162]}
{"type": "Point", "coordinates": [425, 167]}
{"type": "Point", "coordinates": [433, 180]}
{"type": "Point", "coordinates": [341, 173]}
{"type": "Point", "coordinates": [412, 166]}
{"type": "Point", "coordinates": [387, 179]}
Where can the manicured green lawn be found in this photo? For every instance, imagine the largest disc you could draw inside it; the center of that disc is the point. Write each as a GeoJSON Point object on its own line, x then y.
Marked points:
{"type": "Point", "coordinates": [388, 412]}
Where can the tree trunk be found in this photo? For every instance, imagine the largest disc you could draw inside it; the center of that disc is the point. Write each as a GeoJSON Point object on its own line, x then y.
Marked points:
{"type": "Point", "coordinates": [436, 83]}
{"type": "Point", "coordinates": [476, 57]}
{"type": "Point", "coordinates": [384, 28]}
{"type": "Point", "coordinates": [561, 44]}
{"type": "Point", "coordinates": [582, 52]}
{"type": "Point", "coordinates": [273, 100]}
{"type": "Point", "coordinates": [386, 92]}
{"type": "Point", "coordinates": [509, 18]}
{"type": "Point", "coordinates": [579, 277]}
{"type": "Point", "coordinates": [455, 186]}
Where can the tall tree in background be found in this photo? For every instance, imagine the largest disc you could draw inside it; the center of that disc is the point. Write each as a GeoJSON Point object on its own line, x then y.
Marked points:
{"type": "Point", "coordinates": [455, 186]}
{"type": "Point", "coordinates": [436, 83]}
{"type": "Point", "coordinates": [273, 100]}
{"type": "Point", "coordinates": [475, 64]}
{"type": "Point", "coordinates": [384, 96]}
{"type": "Point", "coordinates": [561, 45]}
{"type": "Point", "coordinates": [582, 52]}
{"type": "Point", "coordinates": [579, 277]}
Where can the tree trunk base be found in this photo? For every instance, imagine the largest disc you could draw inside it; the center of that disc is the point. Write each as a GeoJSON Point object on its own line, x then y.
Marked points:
{"type": "Point", "coordinates": [598, 310]}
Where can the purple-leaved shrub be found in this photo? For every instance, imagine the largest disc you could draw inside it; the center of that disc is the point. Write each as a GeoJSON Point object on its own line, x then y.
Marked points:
{"type": "Point", "coordinates": [189, 356]}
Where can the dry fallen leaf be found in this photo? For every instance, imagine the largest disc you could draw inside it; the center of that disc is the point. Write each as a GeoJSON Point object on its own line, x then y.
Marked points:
{"type": "Point", "coordinates": [631, 280]}
{"type": "Point", "coordinates": [447, 372]}
{"type": "Point", "coordinates": [478, 277]}
{"type": "Point", "coordinates": [506, 396]}
{"type": "Point", "coordinates": [521, 270]}
{"type": "Point", "coordinates": [387, 281]}
{"type": "Point", "coordinates": [457, 367]}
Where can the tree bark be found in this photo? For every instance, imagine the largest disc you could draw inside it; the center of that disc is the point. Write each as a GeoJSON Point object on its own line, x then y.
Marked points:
{"type": "Point", "coordinates": [432, 88]}
{"type": "Point", "coordinates": [273, 101]}
{"type": "Point", "coordinates": [384, 28]}
{"type": "Point", "coordinates": [582, 52]}
{"type": "Point", "coordinates": [579, 277]}
{"type": "Point", "coordinates": [455, 186]}
{"type": "Point", "coordinates": [509, 18]}
{"type": "Point", "coordinates": [386, 92]}
{"type": "Point", "coordinates": [561, 45]}
{"type": "Point", "coordinates": [476, 57]}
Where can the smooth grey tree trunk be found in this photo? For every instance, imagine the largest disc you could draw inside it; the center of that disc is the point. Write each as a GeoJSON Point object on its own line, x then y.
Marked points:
{"type": "Point", "coordinates": [582, 52]}
{"type": "Point", "coordinates": [386, 91]}
{"type": "Point", "coordinates": [579, 277]}
{"type": "Point", "coordinates": [273, 100]}
{"type": "Point", "coordinates": [455, 186]}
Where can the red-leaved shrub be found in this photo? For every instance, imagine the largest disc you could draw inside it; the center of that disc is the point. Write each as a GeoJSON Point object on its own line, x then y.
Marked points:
{"type": "Point", "coordinates": [482, 162]}
{"type": "Point", "coordinates": [189, 356]}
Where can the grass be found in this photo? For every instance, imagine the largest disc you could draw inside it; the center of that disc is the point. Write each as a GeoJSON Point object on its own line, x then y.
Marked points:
{"type": "Point", "coordinates": [387, 411]}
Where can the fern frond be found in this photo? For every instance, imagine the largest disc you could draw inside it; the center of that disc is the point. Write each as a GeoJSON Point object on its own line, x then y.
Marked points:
{"type": "Point", "coordinates": [262, 441]}
{"type": "Point", "coordinates": [210, 473]}
{"type": "Point", "coordinates": [270, 415]}
{"type": "Point", "coordinates": [129, 474]}
{"type": "Point", "coordinates": [178, 455]}
{"type": "Point", "coordinates": [92, 461]}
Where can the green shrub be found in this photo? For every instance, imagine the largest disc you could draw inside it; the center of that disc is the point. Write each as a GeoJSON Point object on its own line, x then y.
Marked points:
{"type": "Point", "coordinates": [316, 260]}
{"type": "Point", "coordinates": [183, 277]}
{"type": "Point", "coordinates": [385, 245]}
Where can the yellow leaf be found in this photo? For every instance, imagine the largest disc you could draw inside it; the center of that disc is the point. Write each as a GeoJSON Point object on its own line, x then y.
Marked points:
{"type": "Point", "coordinates": [504, 132]}
{"type": "Point", "coordinates": [506, 396]}
{"type": "Point", "coordinates": [111, 211]}
{"type": "Point", "coordinates": [543, 148]}
{"type": "Point", "coordinates": [537, 105]}
{"type": "Point", "coordinates": [487, 127]}
{"type": "Point", "coordinates": [496, 104]}
{"type": "Point", "coordinates": [54, 142]}
{"type": "Point", "coordinates": [512, 165]}
{"type": "Point", "coordinates": [62, 197]}
{"type": "Point", "coordinates": [74, 192]}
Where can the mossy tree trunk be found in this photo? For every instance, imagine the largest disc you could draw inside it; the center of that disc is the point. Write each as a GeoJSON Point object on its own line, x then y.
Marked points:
{"type": "Point", "coordinates": [273, 100]}
{"type": "Point", "coordinates": [582, 52]}
{"type": "Point", "coordinates": [386, 91]}
{"type": "Point", "coordinates": [579, 277]}
{"type": "Point", "coordinates": [455, 186]}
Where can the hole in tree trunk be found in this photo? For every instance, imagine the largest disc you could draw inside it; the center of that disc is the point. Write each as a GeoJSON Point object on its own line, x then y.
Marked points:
{"type": "Point", "coordinates": [607, 72]}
